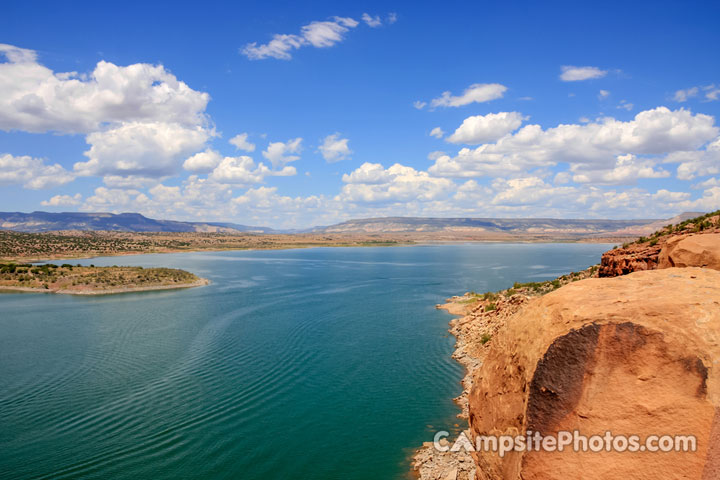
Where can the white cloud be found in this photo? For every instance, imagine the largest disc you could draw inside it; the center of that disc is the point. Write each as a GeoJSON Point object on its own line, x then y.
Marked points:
{"type": "Point", "coordinates": [267, 201]}
{"type": "Point", "coordinates": [437, 132]}
{"type": "Point", "coordinates": [31, 172]}
{"type": "Point", "coordinates": [17, 54]}
{"type": "Point", "coordinates": [651, 132]}
{"type": "Point", "coordinates": [321, 34]}
{"type": "Point", "coordinates": [241, 142]}
{"type": "Point", "coordinates": [116, 201]}
{"type": "Point", "coordinates": [710, 93]}
{"type": "Point", "coordinates": [486, 128]}
{"type": "Point", "coordinates": [392, 18]}
{"type": "Point", "coordinates": [710, 182]}
{"type": "Point", "coordinates": [130, 181]}
{"type": "Point", "coordinates": [371, 21]}
{"type": "Point", "coordinates": [479, 93]}
{"type": "Point", "coordinates": [334, 148]}
{"type": "Point", "coordinates": [371, 183]}
{"type": "Point", "coordinates": [603, 94]}
{"type": "Point", "coordinates": [139, 119]}
{"type": "Point", "coordinates": [63, 201]}
{"type": "Point", "coordinates": [243, 171]}
{"type": "Point", "coordinates": [144, 149]}
{"type": "Point", "coordinates": [627, 169]}
{"type": "Point", "coordinates": [575, 74]}
{"type": "Point", "coordinates": [625, 105]}
{"type": "Point", "coordinates": [684, 95]}
{"type": "Point", "coordinates": [36, 99]}
{"type": "Point", "coordinates": [279, 153]}
{"type": "Point", "coordinates": [419, 104]}
{"type": "Point", "coordinates": [697, 163]}
{"type": "Point", "coordinates": [203, 162]}
{"type": "Point", "coordinates": [526, 191]}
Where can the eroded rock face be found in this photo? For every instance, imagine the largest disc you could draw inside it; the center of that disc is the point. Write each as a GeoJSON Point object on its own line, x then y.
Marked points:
{"type": "Point", "coordinates": [634, 355]}
{"type": "Point", "coordinates": [634, 258]}
{"type": "Point", "coordinates": [691, 251]}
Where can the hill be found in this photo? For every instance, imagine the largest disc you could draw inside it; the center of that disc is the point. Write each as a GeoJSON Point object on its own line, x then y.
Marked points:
{"type": "Point", "coordinates": [37, 222]}
{"type": "Point", "coordinates": [531, 226]}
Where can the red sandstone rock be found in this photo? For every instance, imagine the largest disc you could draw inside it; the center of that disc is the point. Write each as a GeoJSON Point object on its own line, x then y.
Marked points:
{"type": "Point", "coordinates": [635, 257]}
{"type": "Point", "coordinates": [691, 251]}
{"type": "Point", "coordinates": [636, 354]}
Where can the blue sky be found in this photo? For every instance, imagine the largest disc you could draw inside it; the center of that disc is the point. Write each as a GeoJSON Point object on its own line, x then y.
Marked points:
{"type": "Point", "coordinates": [562, 109]}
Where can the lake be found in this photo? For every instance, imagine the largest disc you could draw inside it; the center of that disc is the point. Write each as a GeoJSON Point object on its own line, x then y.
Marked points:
{"type": "Point", "coordinates": [326, 363]}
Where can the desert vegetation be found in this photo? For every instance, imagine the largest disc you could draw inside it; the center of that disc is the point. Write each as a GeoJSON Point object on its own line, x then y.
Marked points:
{"type": "Point", "coordinates": [67, 278]}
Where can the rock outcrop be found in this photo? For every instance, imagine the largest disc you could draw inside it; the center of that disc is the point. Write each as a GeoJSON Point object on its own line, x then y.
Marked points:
{"type": "Point", "coordinates": [700, 249]}
{"type": "Point", "coordinates": [633, 258]}
{"type": "Point", "coordinates": [691, 251]}
{"type": "Point", "coordinates": [636, 355]}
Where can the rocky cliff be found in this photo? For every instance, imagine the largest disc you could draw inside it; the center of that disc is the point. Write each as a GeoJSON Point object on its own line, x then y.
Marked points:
{"type": "Point", "coordinates": [645, 253]}
{"type": "Point", "coordinates": [635, 354]}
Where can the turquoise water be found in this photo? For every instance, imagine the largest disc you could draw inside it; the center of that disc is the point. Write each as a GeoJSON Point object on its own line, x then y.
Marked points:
{"type": "Point", "coordinates": [328, 363]}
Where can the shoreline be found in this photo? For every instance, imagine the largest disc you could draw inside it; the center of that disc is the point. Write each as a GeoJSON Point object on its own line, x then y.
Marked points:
{"type": "Point", "coordinates": [476, 318]}
{"type": "Point", "coordinates": [110, 291]}
{"type": "Point", "coordinates": [90, 256]}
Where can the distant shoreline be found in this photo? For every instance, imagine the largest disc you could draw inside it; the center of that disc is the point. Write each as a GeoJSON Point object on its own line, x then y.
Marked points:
{"type": "Point", "coordinates": [110, 291]}
{"type": "Point", "coordinates": [90, 256]}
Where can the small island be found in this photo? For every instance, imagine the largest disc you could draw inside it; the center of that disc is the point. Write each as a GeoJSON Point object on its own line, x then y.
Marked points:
{"type": "Point", "coordinates": [92, 280]}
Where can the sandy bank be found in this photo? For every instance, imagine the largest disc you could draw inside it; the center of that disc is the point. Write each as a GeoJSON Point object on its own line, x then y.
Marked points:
{"type": "Point", "coordinates": [105, 291]}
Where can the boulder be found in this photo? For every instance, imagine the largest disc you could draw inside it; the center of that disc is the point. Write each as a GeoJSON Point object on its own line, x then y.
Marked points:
{"type": "Point", "coordinates": [635, 355]}
{"type": "Point", "coordinates": [691, 251]}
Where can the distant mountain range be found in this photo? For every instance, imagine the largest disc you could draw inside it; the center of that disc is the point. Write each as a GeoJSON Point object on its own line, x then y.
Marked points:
{"type": "Point", "coordinates": [532, 226]}
{"type": "Point", "coordinates": [134, 222]}
{"type": "Point", "coordinates": [125, 222]}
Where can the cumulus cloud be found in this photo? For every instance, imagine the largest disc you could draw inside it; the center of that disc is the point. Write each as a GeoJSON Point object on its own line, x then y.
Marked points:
{"type": "Point", "coordinates": [371, 183]}
{"type": "Point", "coordinates": [575, 74]}
{"type": "Point", "coordinates": [203, 162]}
{"type": "Point", "coordinates": [476, 93]}
{"type": "Point", "coordinates": [334, 148]}
{"type": "Point", "coordinates": [130, 181]}
{"type": "Point", "coordinates": [63, 201]}
{"type": "Point", "coordinates": [267, 201]}
{"type": "Point", "coordinates": [281, 153]}
{"type": "Point", "coordinates": [603, 94]}
{"type": "Point", "coordinates": [320, 34]}
{"type": "Point", "coordinates": [627, 169]}
{"type": "Point", "coordinates": [710, 182]}
{"type": "Point", "coordinates": [652, 132]}
{"type": "Point", "coordinates": [419, 104]}
{"type": "Point", "coordinates": [437, 132]}
{"type": "Point", "coordinates": [486, 128]}
{"type": "Point", "coordinates": [116, 200]}
{"type": "Point", "coordinates": [697, 163]}
{"type": "Point", "coordinates": [241, 142]}
{"type": "Point", "coordinates": [140, 120]}
{"type": "Point", "coordinates": [243, 171]}
{"type": "Point", "coordinates": [32, 173]}
{"type": "Point", "coordinates": [146, 149]}
{"type": "Point", "coordinates": [529, 191]}
{"type": "Point", "coordinates": [36, 99]}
